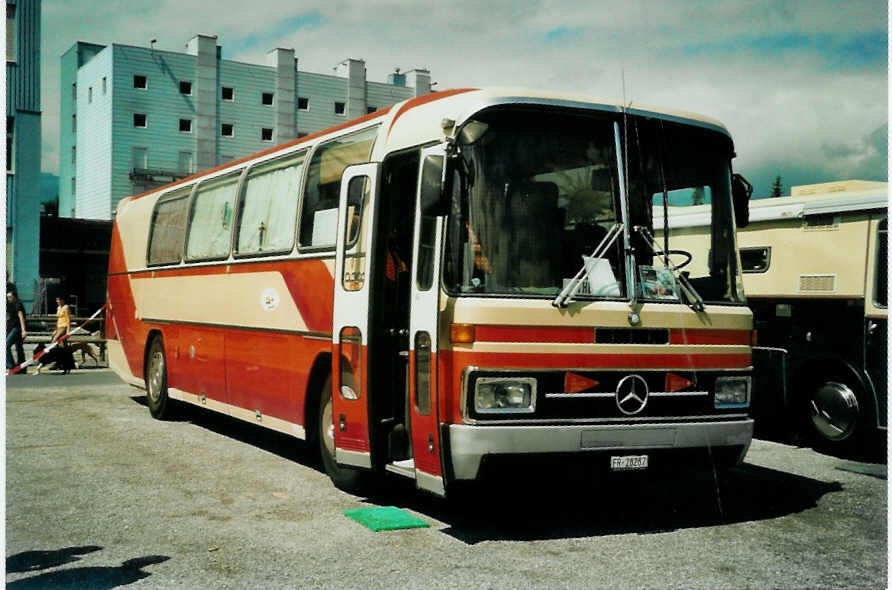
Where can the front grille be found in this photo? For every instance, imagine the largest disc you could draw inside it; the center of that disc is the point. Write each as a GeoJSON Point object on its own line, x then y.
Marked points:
{"type": "Point", "coordinates": [598, 402]}
{"type": "Point", "coordinates": [631, 336]}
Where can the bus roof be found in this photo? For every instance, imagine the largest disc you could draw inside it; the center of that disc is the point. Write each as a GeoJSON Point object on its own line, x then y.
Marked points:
{"type": "Point", "coordinates": [418, 120]}
{"type": "Point", "coordinates": [816, 199]}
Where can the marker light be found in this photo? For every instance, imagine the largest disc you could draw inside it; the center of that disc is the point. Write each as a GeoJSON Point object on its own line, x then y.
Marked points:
{"type": "Point", "coordinates": [461, 333]}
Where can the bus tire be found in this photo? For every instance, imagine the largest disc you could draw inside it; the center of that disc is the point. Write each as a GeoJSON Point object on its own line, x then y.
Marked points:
{"type": "Point", "coordinates": [344, 478]}
{"type": "Point", "coordinates": [160, 404]}
{"type": "Point", "coordinates": [839, 417]}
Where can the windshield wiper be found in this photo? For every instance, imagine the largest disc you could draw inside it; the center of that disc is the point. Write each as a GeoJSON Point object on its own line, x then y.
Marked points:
{"type": "Point", "coordinates": [569, 291]}
{"type": "Point", "coordinates": [691, 296]}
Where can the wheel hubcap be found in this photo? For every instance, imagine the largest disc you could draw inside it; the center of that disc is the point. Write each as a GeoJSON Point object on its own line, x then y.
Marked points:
{"type": "Point", "coordinates": [326, 427]}
{"type": "Point", "coordinates": [834, 411]}
{"type": "Point", "coordinates": [156, 375]}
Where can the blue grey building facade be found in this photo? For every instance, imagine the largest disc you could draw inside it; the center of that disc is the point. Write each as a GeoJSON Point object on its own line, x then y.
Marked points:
{"type": "Point", "coordinates": [133, 118]}
{"type": "Point", "coordinates": [23, 147]}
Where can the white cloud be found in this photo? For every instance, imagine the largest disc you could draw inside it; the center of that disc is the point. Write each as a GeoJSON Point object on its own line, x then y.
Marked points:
{"type": "Point", "coordinates": [787, 78]}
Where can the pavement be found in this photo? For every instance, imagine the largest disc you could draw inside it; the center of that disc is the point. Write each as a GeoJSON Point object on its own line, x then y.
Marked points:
{"type": "Point", "coordinates": [99, 495]}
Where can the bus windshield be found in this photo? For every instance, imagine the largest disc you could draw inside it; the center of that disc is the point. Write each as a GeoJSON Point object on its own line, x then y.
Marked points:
{"type": "Point", "coordinates": [537, 201]}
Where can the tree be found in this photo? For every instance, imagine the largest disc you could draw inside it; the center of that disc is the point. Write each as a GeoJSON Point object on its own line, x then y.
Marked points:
{"type": "Point", "coordinates": [777, 189]}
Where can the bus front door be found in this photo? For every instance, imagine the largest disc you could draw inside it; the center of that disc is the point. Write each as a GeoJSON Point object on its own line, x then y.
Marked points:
{"type": "Point", "coordinates": [350, 317]}
{"type": "Point", "coordinates": [424, 311]}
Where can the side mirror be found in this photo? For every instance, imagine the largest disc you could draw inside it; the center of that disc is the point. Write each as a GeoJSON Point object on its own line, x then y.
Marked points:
{"type": "Point", "coordinates": [433, 188]}
{"type": "Point", "coordinates": [741, 191]}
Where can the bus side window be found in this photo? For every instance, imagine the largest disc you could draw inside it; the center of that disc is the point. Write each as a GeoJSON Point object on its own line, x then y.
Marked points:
{"type": "Point", "coordinates": [210, 226]}
{"type": "Point", "coordinates": [268, 212]}
{"type": "Point", "coordinates": [319, 214]}
{"type": "Point", "coordinates": [169, 228]}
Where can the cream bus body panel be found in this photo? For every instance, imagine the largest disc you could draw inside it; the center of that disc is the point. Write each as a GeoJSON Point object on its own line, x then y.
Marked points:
{"type": "Point", "coordinates": [837, 253]}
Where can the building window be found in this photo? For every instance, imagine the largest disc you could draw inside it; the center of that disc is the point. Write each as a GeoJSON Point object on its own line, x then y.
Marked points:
{"type": "Point", "coordinates": [73, 185]}
{"type": "Point", "coordinates": [140, 157]}
{"type": "Point", "coordinates": [267, 98]}
{"type": "Point", "coordinates": [339, 108]}
{"type": "Point", "coordinates": [74, 154]}
{"type": "Point", "coordinates": [303, 103]}
{"type": "Point", "coordinates": [186, 125]}
{"type": "Point", "coordinates": [185, 87]}
{"type": "Point", "coordinates": [185, 163]}
{"type": "Point", "coordinates": [10, 32]}
{"type": "Point", "coordinates": [104, 84]}
{"type": "Point", "coordinates": [140, 120]}
{"type": "Point", "coordinates": [140, 82]}
{"type": "Point", "coordinates": [89, 94]}
{"type": "Point", "coordinates": [74, 91]}
{"type": "Point", "coordinates": [227, 93]}
{"type": "Point", "coordinates": [266, 134]}
{"type": "Point", "coordinates": [371, 110]}
{"type": "Point", "coordinates": [73, 123]}
{"type": "Point", "coordinates": [227, 130]}
{"type": "Point", "coordinates": [10, 144]}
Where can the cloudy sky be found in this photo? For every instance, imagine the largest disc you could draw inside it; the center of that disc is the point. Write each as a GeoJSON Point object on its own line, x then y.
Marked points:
{"type": "Point", "coordinates": [801, 85]}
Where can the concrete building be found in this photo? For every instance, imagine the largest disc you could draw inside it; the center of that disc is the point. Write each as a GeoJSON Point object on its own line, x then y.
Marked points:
{"type": "Point", "coordinates": [23, 146]}
{"type": "Point", "coordinates": [133, 118]}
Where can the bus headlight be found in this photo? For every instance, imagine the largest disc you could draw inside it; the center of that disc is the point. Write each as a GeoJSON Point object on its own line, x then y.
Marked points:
{"type": "Point", "coordinates": [731, 392]}
{"type": "Point", "coordinates": [497, 394]}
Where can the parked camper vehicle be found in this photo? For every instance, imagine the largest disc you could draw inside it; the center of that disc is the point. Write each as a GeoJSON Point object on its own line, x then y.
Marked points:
{"type": "Point", "coordinates": [814, 272]}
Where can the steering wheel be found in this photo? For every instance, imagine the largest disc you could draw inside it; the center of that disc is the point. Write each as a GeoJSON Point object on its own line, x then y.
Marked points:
{"type": "Point", "coordinates": [688, 257]}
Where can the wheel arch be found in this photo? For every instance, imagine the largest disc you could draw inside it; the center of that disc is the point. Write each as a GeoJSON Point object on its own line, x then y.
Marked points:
{"type": "Point", "coordinates": [827, 368]}
{"type": "Point", "coordinates": [319, 372]}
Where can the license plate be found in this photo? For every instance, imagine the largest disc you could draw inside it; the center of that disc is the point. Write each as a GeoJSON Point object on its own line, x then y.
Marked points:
{"type": "Point", "coordinates": [628, 463]}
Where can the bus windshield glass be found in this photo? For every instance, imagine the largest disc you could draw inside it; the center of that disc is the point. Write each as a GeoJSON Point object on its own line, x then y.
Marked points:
{"type": "Point", "coordinates": [537, 202]}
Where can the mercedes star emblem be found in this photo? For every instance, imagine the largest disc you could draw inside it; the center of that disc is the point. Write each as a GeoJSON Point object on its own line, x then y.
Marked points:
{"type": "Point", "coordinates": [631, 394]}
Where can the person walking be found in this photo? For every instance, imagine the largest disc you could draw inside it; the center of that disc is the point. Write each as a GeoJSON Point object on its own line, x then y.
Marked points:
{"type": "Point", "coordinates": [15, 329]}
{"type": "Point", "coordinates": [63, 319]}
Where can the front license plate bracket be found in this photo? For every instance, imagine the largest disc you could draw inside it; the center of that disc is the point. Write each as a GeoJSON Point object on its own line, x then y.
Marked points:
{"type": "Point", "coordinates": [628, 462]}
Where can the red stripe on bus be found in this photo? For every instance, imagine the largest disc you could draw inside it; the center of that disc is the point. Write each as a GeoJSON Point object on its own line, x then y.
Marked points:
{"type": "Point", "coordinates": [700, 336]}
{"type": "Point", "coordinates": [574, 334]}
{"type": "Point", "coordinates": [669, 360]}
{"type": "Point", "coordinates": [424, 99]}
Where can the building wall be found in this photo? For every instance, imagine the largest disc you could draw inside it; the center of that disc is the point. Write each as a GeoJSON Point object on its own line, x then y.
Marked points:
{"type": "Point", "coordinates": [79, 54]}
{"type": "Point", "coordinates": [245, 112]}
{"type": "Point", "coordinates": [106, 136]}
{"type": "Point", "coordinates": [163, 105]}
{"type": "Point", "coordinates": [380, 95]}
{"type": "Point", "coordinates": [322, 91]}
{"type": "Point", "coordinates": [23, 180]}
{"type": "Point", "coordinates": [94, 137]}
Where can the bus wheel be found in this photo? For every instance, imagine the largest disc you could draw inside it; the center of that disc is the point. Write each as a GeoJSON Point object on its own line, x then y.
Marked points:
{"type": "Point", "coordinates": [344, 478]}
{"type": "Point", "coordinates": [838, 417]}
{"type": "Point", "coordinates": [156, 381]}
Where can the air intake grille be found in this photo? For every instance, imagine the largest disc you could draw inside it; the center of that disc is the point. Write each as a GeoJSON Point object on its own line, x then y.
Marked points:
{"type": "Point", "coordinates": [809, 283]}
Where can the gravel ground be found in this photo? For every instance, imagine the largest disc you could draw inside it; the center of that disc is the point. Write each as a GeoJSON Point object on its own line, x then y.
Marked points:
{"type": "Point", "coordinates": [99, 495]}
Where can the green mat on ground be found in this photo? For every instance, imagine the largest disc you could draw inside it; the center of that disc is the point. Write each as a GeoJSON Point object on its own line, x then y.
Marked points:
{"type": "Point", "coordinates": [385, 518]}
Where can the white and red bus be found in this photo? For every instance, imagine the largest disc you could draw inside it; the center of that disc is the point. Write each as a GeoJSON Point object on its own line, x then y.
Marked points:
{"type": "Point", "coordinates": [450, 285]}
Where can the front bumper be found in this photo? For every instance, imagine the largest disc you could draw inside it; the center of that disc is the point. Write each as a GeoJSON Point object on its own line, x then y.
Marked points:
{"type": "Point", "coordinates": [468, 444]}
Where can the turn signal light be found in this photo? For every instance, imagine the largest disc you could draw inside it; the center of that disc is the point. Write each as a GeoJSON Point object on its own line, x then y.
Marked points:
{"type": "Point", "coordinates": [461, 333]}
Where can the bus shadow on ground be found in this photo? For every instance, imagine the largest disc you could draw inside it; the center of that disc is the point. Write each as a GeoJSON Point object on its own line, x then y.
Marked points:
{"type": "Point", "coordinates": [277, 443]}
{"type": "Point", "coordinates": [565, 503]}
{"type": "Point", "coordinates": [571, 507]}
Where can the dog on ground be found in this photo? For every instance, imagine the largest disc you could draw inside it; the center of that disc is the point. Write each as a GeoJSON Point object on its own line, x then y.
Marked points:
{"type": "Point", "coordinates": [59, 357]}
{"type": "Point", "coordinates": [85, 348]}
